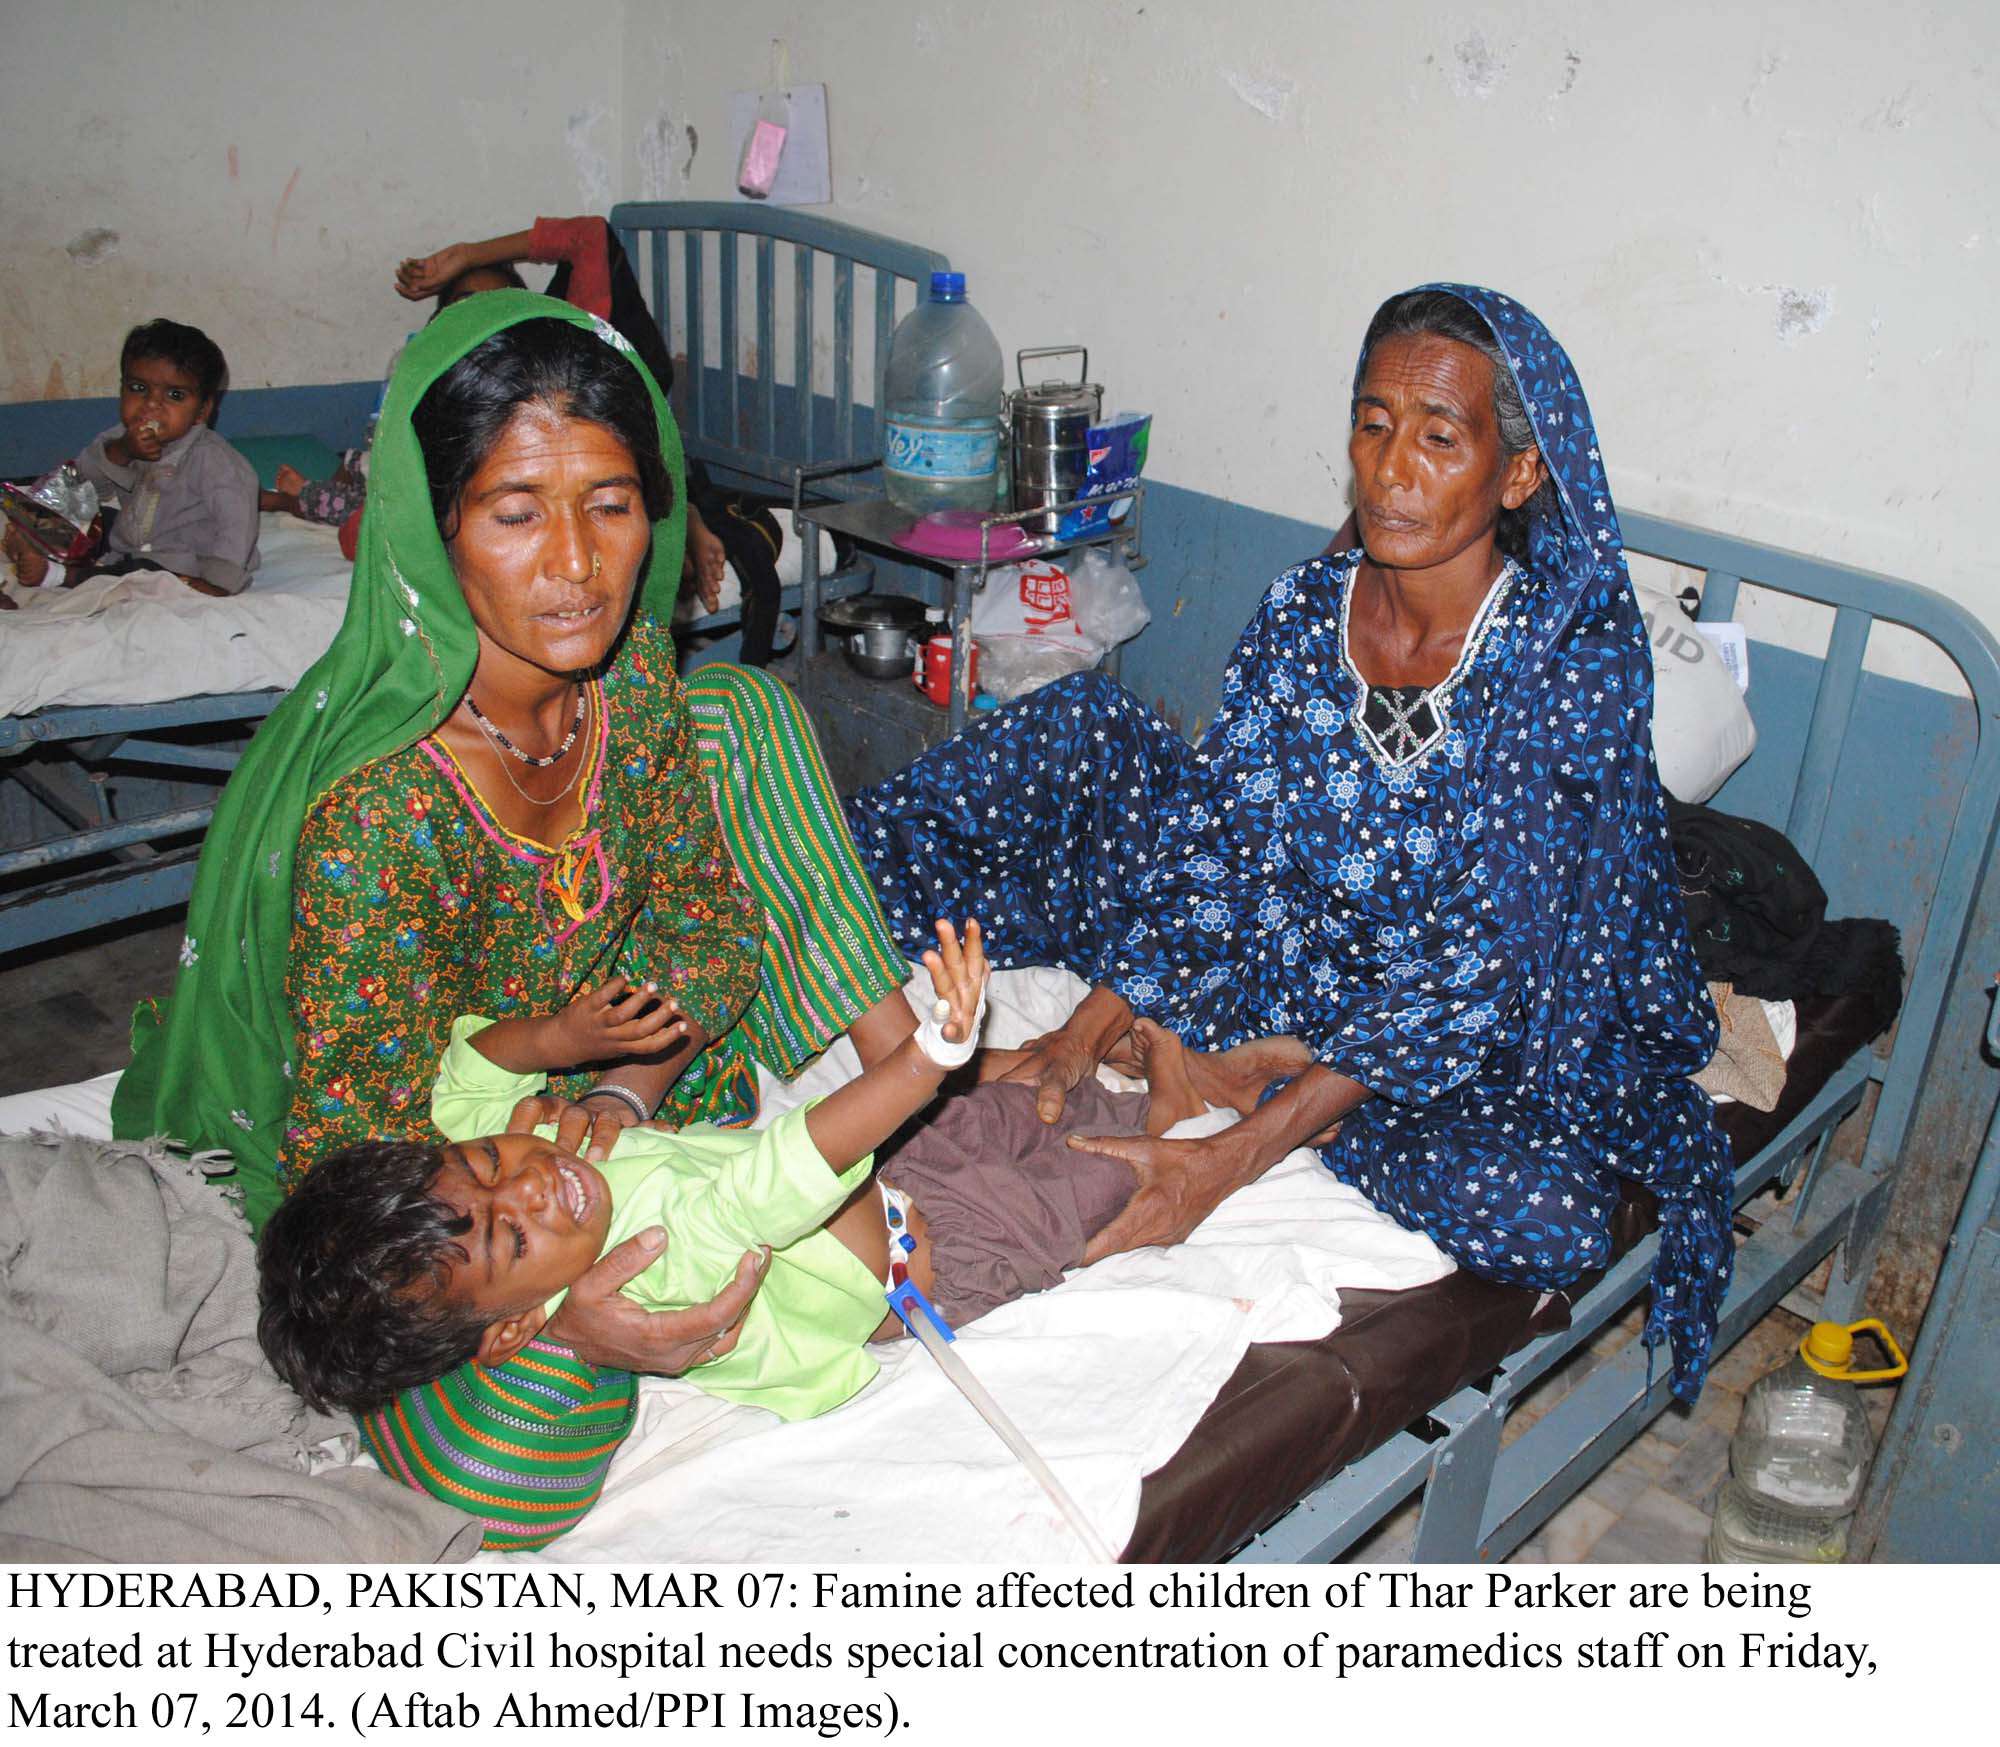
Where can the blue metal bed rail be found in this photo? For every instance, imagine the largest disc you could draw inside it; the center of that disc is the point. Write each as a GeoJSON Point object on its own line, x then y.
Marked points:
{"type": "Point", "coordinates": [103, 867]}
{"type": "Point", "coordinates": [734, 411]}
{"type": "Point", "coordinates": [1482, 1495]}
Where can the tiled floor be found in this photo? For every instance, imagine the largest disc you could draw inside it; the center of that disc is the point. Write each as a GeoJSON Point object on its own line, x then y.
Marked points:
{"type": "Point", "coordinates": [1651, 1505]}
{"type": "Point", "coordinates": [68, 1016]}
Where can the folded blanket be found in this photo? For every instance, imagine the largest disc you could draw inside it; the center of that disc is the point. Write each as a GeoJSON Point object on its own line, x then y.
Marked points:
{"type": "Point", "coordinates": [138, 1418]}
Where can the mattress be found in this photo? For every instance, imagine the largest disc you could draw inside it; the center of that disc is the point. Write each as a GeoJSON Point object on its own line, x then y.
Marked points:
{"type": "Point", "coordinates": [148, 638]}
{"type": "Point", "coordinates": [1294, 1415]}
{"type": "Point", "coordinates": [1214, 1434]}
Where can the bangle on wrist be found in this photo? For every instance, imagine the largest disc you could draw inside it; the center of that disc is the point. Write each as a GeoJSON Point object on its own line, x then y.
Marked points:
{"type": "Point", "coordinates": [624, 1094]}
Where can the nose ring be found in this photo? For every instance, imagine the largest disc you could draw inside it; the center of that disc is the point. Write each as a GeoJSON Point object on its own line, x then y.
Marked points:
{"type": "Point", "coordinates": [596, 563]}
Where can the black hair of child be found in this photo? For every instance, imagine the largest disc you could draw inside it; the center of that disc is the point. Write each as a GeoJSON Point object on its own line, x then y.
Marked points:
{"type": "Point", "coordinates": [351, 1270]}
{"type": "Point", "coordinates": [187, 349]}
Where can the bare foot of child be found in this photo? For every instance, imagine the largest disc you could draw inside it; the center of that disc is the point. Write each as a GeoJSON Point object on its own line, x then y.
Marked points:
{"type": "Point", "coordinates": [1185, 1081]}
{"type": "Point", "coordinates": [1163, 1060]}
{"type": "Point", "coordinates": [290, 480]}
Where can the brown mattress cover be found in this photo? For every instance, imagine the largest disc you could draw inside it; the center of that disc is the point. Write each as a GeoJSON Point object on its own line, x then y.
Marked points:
{"type": "Point", "coordinates": [1294, 1413]}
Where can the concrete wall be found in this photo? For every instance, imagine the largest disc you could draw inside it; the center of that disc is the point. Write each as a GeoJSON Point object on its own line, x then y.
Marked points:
{"type": "Point", "coordinates": [258, 170]}
{"type": "Point", "coordinates": [1767, 233]}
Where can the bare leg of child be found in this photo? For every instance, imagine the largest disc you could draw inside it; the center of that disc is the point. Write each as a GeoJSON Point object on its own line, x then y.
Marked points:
{"type": "Point", "coordinates": [1184, 1081]}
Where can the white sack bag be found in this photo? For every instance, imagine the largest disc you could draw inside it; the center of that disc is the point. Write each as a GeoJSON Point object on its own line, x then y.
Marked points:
{"type": "Point", "coordinates": [1702, 728]}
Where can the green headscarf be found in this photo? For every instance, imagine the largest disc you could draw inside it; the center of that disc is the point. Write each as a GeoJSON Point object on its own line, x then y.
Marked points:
{"type": "Point", "coordinates": [212, 1066]}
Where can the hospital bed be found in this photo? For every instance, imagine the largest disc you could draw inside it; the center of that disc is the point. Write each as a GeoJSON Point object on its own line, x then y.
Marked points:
{"type": "Point", "coordinates": [747, 295]}
{"type": "Point", "coordinates": [122, 713]}
{"type": "Point", "coordinates": [1323, 1366]}
{"type": "Point", "coordinates": [124, 704]}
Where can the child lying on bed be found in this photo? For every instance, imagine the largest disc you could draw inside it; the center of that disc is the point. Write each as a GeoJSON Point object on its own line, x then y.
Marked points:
{"type": "Point", "coordinates": [188, 500]}
{"type": "Point", "coordinates": [393, 1262]}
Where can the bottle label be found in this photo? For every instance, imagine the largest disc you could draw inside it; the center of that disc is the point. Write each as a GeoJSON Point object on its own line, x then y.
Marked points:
{"type": "Point", "coordinates": [941, 452]}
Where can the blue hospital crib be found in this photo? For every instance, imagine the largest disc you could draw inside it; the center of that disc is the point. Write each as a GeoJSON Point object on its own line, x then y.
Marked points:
{"type": "Point", "coordinates": [738, 315]}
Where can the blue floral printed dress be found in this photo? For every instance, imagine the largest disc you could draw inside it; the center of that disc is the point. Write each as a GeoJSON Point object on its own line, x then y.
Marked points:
{"type": "Point", "coordinates": [1461, 898]}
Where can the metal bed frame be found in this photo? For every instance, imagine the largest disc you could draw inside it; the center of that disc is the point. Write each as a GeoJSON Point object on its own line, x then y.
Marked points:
{"type": "Point", "coordinates": [744, 422]}
{"type": "Point", "coordinates": [1481, 1499]}
{"type": "Point", "coordinates": [99, 867]}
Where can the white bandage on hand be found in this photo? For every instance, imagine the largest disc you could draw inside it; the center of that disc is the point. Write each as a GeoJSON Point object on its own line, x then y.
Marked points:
{"type": "Point", "coordinates": [939, 1048]}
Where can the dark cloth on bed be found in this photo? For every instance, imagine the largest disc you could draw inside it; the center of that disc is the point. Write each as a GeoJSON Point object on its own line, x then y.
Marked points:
{"type": "Point", "coordinates": [1008, 1205]}
{"type": "Point", "coordinates": [1758, 916]}
{"type": "Point", "coordinates": [1480, 923]}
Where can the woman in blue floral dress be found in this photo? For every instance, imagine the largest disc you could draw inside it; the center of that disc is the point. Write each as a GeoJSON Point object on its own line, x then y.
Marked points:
{"type": "Point", "coordinates": [1424, 834]}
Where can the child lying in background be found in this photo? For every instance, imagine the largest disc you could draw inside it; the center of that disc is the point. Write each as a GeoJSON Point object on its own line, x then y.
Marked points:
{"type": "Point", "coordinates": [393, 1263]}
{"type": "Point", "coordinates": [187, 500]}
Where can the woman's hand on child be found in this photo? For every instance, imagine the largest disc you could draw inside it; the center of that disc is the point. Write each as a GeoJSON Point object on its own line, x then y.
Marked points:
{"type": "Point", "coordinates": [587, 1131]}
{"type": "Point", "coordinates": [604, 1328]}
{"type": "Point", "coordinates": [424, 276]}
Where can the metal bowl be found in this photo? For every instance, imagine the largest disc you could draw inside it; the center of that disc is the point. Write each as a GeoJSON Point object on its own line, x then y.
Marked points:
{"type": "Point", "coordinates": [875, 631]}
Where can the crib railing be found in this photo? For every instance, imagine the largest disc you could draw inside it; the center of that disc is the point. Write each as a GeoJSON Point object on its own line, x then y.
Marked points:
{"type": "Point", "coordinates": [1860, 600]}
{"type": "Point", "coordinates": [735, 411]}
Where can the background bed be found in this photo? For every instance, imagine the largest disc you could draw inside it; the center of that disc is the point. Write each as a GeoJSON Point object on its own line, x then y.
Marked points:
{"type": "Point", "coordinates": [124, 705]}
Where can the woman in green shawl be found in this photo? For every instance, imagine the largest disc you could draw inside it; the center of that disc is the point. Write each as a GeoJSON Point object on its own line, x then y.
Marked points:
{"type": "Point", "coordinates": [491, 792]}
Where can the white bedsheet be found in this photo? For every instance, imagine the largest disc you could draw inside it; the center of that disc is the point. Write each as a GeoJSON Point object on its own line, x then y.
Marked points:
{"type": "Point", "coordinates": [148, 638]}
{"type": "Point", "coordinates": [1106, 1374]}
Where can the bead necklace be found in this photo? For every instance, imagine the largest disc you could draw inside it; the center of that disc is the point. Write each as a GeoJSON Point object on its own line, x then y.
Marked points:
{"type": "Point", "coordinates": [499, 739]}
{"type": "Point", "coordinates": [514, 783]}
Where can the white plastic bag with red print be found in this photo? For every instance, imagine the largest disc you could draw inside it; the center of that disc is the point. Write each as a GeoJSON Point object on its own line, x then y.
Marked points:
{"type": "Point", "coordinates": [1029, 600]}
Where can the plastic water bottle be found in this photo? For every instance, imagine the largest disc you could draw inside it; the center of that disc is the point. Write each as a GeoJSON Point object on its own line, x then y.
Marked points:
{"type": "Point", "coordinates": [1800, 1455]}
{"type": "Point", "coordinates": [941, 430]}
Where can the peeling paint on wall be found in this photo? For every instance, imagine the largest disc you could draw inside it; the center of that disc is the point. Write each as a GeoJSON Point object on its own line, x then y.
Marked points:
{"type": "Point", "coordinates": [1801, 312]}
{"type": "Point", "coordinates": [593, 172]}
{"type": "Point", "coordinates": [284, 200]}
{"type": "Point", "coordinates": [1476, 67]}
{"type": "Point", "coordinates": [1895, 115]}
{"type": "Point", "coordinates": [1766, 67]}
{"type": "Point", "coordinates": [1267, 96]}
{"type": "Point", "coordinates": [87, 248]}
{"type": "Point", "coordinates": [667, 151]}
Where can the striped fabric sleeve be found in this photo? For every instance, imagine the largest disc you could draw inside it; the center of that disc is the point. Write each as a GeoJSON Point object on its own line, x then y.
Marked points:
{"type": "Point", "coordinates": [827, 955]}
{"type": "Point", "coordinates": [524, 1448]}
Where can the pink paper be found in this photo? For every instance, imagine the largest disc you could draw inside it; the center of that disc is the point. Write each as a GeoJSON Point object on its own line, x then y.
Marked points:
{"type": "Point", "coordinates": [760, 159]}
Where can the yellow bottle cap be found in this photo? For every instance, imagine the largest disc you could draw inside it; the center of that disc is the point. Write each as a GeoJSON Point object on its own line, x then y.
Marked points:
{"type": "Point", "coordinates": [1829, 1349]}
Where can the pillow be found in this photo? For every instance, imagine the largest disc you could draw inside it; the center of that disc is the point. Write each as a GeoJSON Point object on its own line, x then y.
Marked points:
{"type": "Point", "coordinates": [1701, 726]}
{"type": "Point", "coordinates": [313, 457]}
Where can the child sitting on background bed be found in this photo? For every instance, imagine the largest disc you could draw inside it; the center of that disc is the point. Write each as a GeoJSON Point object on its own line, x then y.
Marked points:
{"type": "Point", "coordinates": [187, 500]}
{"type": "Point", "coordinates": [394, 1262]}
